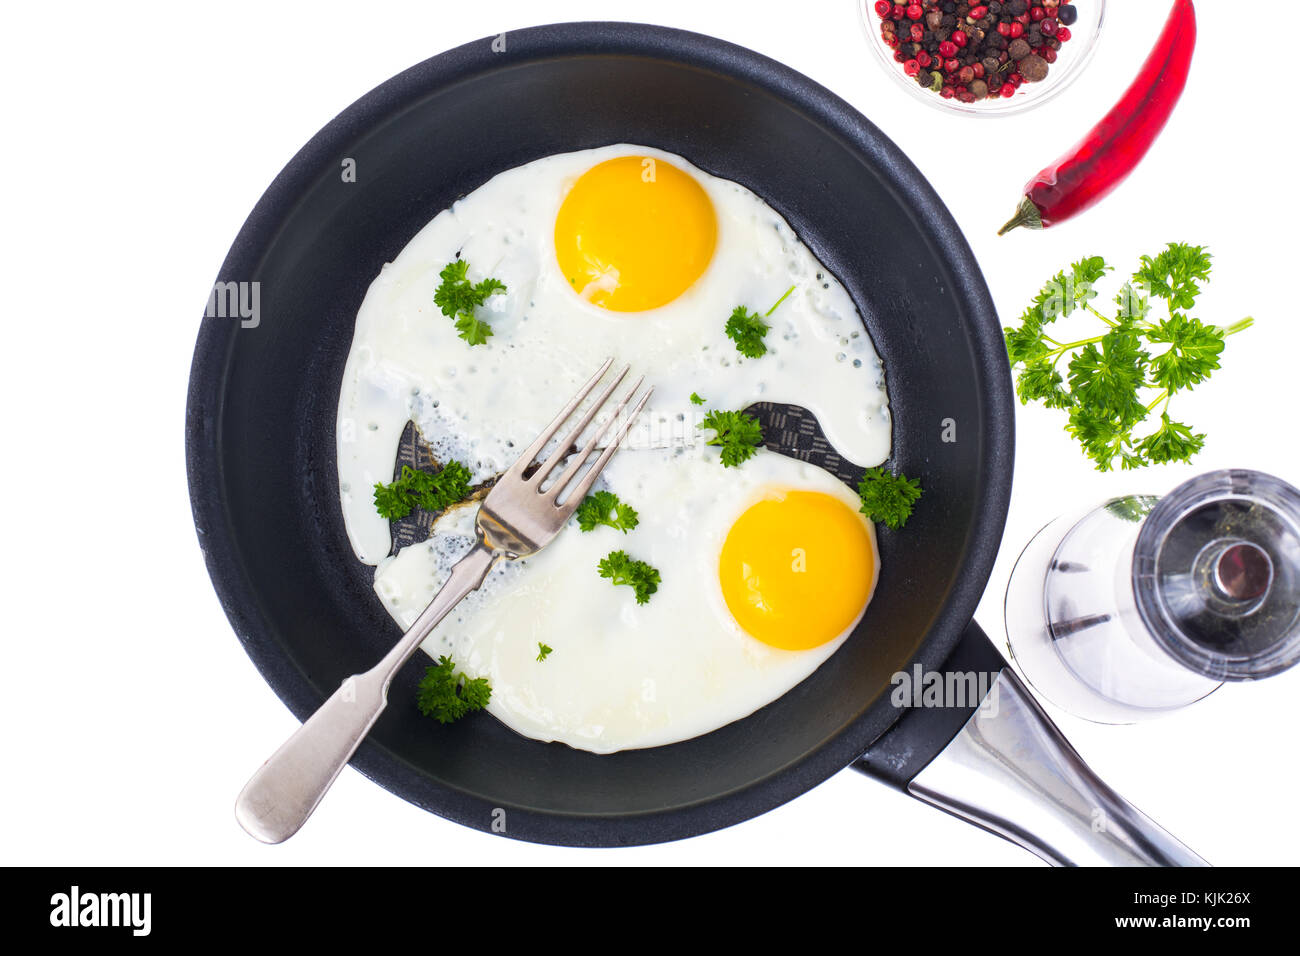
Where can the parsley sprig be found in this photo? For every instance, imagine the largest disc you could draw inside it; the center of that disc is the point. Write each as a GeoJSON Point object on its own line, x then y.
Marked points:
{"type": "Point", "coordinates": [738, 434]}
{"type": "Point", "coordinates": [604, 507]}
{"type": "Point", "coordinates": [1114, 382]}
{"type": "Point", "coordinates": [888, 498]}
{"type": "Point", "coordinates": [446, 694]}
{"type": "Point", "coordinates": [414, 488]}
{"type": "Point", "coordinates": [747, 329]}
{"type": "Point", "coordinates": [457, 297]}
{"type": "Point", "coordinates": [621, 569]}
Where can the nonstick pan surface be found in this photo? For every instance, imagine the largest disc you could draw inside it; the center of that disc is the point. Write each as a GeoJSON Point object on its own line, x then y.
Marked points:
{"type": "Point", "coordinates": [262, 404]}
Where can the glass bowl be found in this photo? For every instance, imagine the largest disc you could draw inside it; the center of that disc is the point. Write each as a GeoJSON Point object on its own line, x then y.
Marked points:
{"type": "Point", "coordinates": [1071, 59]}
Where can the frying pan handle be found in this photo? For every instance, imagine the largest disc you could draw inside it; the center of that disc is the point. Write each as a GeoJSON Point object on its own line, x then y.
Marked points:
{"type": "Point", "coordinates": [996, 760]}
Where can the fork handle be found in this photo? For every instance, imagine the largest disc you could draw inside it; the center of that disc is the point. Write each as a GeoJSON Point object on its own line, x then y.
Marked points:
{"type": "Point", "coordinates": [280, 797]}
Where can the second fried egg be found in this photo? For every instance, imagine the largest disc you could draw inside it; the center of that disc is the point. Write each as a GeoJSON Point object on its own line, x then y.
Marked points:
{"type": "Point", "coordinates": [778, 540]}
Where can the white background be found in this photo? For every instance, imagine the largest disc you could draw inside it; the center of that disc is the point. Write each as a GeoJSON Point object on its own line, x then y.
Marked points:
{"type": "Point", "coordinates": [135, 143]}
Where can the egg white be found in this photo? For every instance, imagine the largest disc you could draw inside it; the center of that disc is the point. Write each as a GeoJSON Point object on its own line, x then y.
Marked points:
{"type": "Point", "coordinates": [480, 405]}
{"type": "Point", "coordinates": [621, 675]}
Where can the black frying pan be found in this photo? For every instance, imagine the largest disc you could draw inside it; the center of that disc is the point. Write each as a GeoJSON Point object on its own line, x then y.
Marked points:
{"type": "Point", "coordinates": [262, 403]}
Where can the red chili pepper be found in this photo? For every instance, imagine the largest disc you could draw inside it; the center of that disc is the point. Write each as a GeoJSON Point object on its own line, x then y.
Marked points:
{"type": "Point", "coordinates": [1112, 149]}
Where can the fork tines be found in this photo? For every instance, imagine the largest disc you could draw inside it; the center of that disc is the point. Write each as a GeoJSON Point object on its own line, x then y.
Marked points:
{"type": "Point", "coordinates": [523, 468]}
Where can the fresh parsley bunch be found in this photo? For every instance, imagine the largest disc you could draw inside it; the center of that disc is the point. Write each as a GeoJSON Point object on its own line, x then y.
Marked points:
{"type": "Point", "coordinates": [1112, 383]}
{"type": "Point", "coordinates": [457, 297]}
{"type": "Point", "coordinates": [414, 488]}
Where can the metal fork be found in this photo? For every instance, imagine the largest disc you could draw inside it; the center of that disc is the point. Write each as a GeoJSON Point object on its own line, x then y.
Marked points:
{"type": "Point", "coordinates": [517, 518]}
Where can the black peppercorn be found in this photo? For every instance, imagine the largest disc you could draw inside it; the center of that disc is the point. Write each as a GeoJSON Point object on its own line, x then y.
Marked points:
{"type": "Point", "coordinates": [1067, 14]}
{"type": "Point", "coordinates": [1033, 68]}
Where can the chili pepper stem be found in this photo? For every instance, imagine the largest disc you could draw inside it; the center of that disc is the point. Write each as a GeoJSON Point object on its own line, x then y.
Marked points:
{"type": "Point", "coordinates": [1027, 215]}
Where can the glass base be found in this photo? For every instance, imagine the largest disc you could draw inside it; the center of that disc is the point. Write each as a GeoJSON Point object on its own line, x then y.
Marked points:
{"type": "Point", "coordinates": [1073, 629]}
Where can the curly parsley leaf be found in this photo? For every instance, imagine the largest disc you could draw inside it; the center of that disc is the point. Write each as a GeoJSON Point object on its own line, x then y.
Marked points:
{"type": "Point", "coordinates": [621, 569]}
{"type": "Point", "coordinates": [472, 330]}
{"type": "Point", "coordinates": [1059, 297]}
{"type": "Point", "coordinates": [738, 434]}
{"type": "Point", "coordinates": [1193, 352]}
{"type": "Point", "coordinates": [747, 329]}
{"type": "Point", "coordinates": [1133, 305]}
{"type": "Point", "coordinates": [1025, 342]}
{"type": "Point", "coordinates": [1176, 274]}
{"type": "Point", "coordinates": [1041, 382]}
{"type": "Point", "coordinates": [447, 695]}
{"type": "Point", "coordinates": [391, 501]}
{"type": "Point", "coordinates": [888, 498]}
{"type": "Point", "coordinates": [1085, 274]}
{"type": "Point", "coordinates": [695, 399]}
{"type": "Point", "coordinates": [457, 298]}
{"type": "Point", "coordinates": [543, 651]}
{"type": "Point", "coordinates": [1100, 437]}
{"type": "Point", "coordinates": [430, 491]}
{"type": "Point", "coordinates": [603, 507]}
{"type": "Point", "coordinates": [1110, 383]}
{"type": "Point", "coordinates": [1108, 378]}
{"type": "Point", "coordinates": [1173, 441]}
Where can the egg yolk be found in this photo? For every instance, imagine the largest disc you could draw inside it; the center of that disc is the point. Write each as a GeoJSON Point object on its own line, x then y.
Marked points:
{"type": "Point", "coordinates": [634, 233]}
{"type": "Point", "coordinates": [797, 569]}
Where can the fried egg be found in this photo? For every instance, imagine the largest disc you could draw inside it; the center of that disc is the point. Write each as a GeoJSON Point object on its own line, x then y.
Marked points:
{"type": "Point", "coordinates": [765, 570]}
{"type": "Point", "coordinates": [635, 253]}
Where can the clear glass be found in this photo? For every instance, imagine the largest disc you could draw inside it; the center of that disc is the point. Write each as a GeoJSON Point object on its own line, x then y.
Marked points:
{"type": "Point", "coordinates": [1071, 60]}
{"type": "Point", "coordinates": [1216, 574]}
{"type": "Point", "coordinates": [1143, 605]}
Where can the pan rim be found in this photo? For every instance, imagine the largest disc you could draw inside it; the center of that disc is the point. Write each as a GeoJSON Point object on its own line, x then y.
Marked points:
{"type": "Point", "coordinates": [213, 351]}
